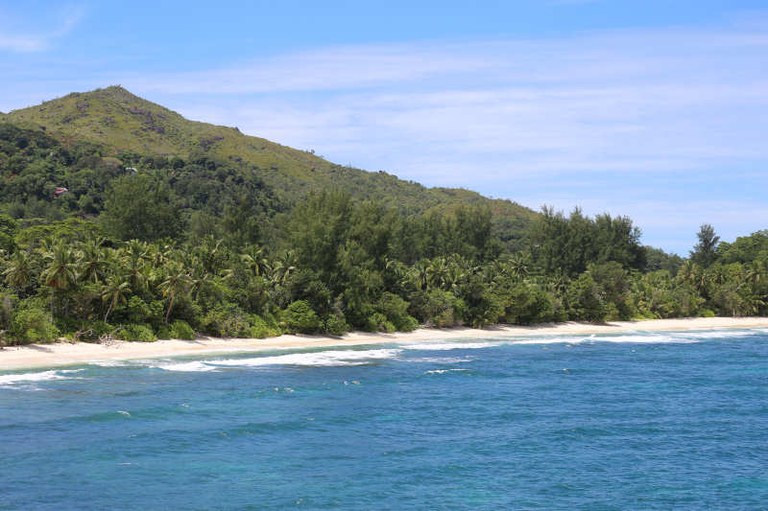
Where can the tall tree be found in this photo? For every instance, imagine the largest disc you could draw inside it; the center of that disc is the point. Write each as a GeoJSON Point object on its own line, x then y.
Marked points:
{"type": "Point", "coordinates": [60, 274]}
{"type": "Point", "coordinates": [177, 282]}
{"type": "Point", "coordinates": [20, 273]}
{"type": "Point", "coordinates": [142, 207]}
{"type": "Point", "coordinates": [114, 291]}
{"type": "Point", "coordinates": [704, 253]}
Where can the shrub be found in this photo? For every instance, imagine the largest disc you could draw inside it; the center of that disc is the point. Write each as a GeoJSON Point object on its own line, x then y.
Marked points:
{"type": "Point", "coordinates": [32, 324]}
{"type": "Point", "coordinates": [93, 331]}
{"type": "Point", "coordinates": [585, 302]}
{"type": "Point", "coordinates": [138, 311]}
{"type": "Point", "coordinates": [134, 332]}
{"type": "Point", "coordinates": [180, 329]}
{"type": "Point", "coordinates": [300, 318]}
{"type": "Point", "coordinates": [408, 324]}
{"type": "Point", "coordinates": [335, 324]}
{"type": "Point", "coordinates": [396, 311]}
{"type": "Point", "coordinates": [227, 320]}
{"type": "Point", "coordinates": [260, 329]}
{"type": "Point", "coordinates": [164, 333]}
{"type": "Point", "coordinates": [378, 322]}
{"type": "Point", "coordinates": [437, 308]}
{"type": "Point", "coordinates": [526, 305]}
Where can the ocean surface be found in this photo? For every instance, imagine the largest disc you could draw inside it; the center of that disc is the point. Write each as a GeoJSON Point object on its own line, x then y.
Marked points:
{"type": "Point", "coordinates": [668, 421]}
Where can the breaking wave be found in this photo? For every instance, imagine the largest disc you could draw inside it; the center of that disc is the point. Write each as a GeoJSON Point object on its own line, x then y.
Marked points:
{"type": "Point", "coordinates": [29, 378]}
{"type": "Point", "coordinates": [316, 359]}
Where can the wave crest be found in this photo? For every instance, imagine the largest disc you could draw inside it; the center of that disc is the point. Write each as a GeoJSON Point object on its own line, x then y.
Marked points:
{"type": "Point", "coordinates": [447, 346]}
{"type": "Point", "coordinates": [315, 359]}
{"type": "Point", "coordinates": [27, 378]}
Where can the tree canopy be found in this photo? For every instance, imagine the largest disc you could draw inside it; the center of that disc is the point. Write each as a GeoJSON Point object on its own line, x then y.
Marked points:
{"type": "Point", "coordinates": [141, 246]}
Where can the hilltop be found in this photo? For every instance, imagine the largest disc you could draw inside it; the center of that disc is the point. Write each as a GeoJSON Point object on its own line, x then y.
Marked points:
{"type": "Point", "coordinates": [120, 218]}
{"type": "Point", "coordinates": [127, 127]}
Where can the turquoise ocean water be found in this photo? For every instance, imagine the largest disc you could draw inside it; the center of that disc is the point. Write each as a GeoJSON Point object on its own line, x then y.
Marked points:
{"type": "Point", "coordinates": [668, 421]}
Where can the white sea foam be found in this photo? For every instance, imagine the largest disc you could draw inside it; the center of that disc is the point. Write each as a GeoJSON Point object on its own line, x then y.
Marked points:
{"type": "Point", "coordinates": [321, 358]}
{"type": "Point", "coordinates": [718, 334]}
{"type": "Point", "coordinates": [439, 360]}
{"type": "Point", "coordinates": [26, 378]}
{"type": "Point", "coordinates": [630, 338]}
{"type": "Point", "coordinates": [185, 367]}
{"type": "Point", "coordinates": [553, 340]}
{"type": "Point", "coordinates": [444, 371]}
{"type": "Point", "coordinates": [446, 346]}
{"type": "Point", "coordinates": [110, 363]}
{"type": "Point", "coordinates": [641, 339]}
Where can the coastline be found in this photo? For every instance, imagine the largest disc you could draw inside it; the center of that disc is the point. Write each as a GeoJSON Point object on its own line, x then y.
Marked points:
{"type": "Point", "coordinates": [65, 354]}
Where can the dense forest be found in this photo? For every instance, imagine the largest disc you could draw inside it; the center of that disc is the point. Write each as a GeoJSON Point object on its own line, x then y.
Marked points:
{"type": "Point", "coordinates": [102, 241]}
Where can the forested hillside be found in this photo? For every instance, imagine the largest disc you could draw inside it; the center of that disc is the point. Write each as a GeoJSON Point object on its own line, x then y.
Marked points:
{"type": "Point", "coordinates": [119, 218]}
{"type": "Point", "coordinates": [146, 136]}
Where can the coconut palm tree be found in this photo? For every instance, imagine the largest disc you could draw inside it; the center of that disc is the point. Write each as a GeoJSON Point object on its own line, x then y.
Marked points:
{"type": "Point", "coordinates": [114, 291]}
{"type": "Point", "coordinates": [20, 272]}
{"type": "Point", "coordinates": [61, 269]}
{"type": "Point", "coordinates": [256, 262]}
{"type": "Point", "coordinates": [417, 277]}
{"type": "Point", "coordinates": [177, 282]}
{"type": "Point", "coordinates": [93, 260]}
{"type": "Point", "coordinates": [60, 273]}
{"type": "Point", "coordinates": [134, 260]}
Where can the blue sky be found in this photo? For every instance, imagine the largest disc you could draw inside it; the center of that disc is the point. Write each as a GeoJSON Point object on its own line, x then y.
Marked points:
{"type": "Point", "coordinates": [653, 109]}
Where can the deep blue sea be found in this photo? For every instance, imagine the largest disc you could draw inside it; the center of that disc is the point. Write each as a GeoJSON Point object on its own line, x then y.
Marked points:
{"type": "Point", "coordinates": [668, 421]}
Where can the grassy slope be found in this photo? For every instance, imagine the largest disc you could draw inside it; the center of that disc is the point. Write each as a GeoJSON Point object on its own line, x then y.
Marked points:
{"type": "Point", "coordinates": [121, 121]}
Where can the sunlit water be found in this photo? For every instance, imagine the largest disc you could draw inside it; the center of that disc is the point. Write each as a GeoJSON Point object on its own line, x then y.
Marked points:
{"type": "Point", "coordinates": [641, 421]}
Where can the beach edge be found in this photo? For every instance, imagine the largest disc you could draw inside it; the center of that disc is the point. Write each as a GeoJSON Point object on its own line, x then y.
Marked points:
{"type": "Point", "coordinates": [60, 354]}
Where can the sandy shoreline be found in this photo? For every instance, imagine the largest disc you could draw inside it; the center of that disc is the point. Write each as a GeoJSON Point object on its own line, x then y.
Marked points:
{"type": "Point", "coordinates": [63, 354]}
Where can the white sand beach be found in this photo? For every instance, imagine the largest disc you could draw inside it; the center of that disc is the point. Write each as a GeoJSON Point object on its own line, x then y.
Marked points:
{"type": "Point", "coordinates": [63, 353]}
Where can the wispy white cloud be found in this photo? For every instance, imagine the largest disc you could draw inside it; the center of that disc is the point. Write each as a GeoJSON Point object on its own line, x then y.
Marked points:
{"type": "Point", "coordinates": [334, 69]}
{"type": "Point", "coordinates": [675, 91]}
{"type": "Point", "coordinates": [653, 109]}
{"type": "Point", "coordinates": [20, 43]}
{"type": "Point", "coordinates": [36, 31]}
{"type": "Point", "coordinates": [612, 120]}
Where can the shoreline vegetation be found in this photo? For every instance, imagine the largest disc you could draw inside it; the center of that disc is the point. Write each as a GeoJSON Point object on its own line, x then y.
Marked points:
{"type": "Point", "coordinates": [67, 353]}
{"type": "Point", "coordinates": [207, 232]}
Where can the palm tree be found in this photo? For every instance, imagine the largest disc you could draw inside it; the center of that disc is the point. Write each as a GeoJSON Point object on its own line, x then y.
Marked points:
{"type": "Point", "coordinates": [281, 269]}
{"type": "Point", "coordinates": [210, 254]}
{"type": "Point", "coordinates": [201, 281]}
{"type": "Point", "coordinates": [458, 268]}
{"type": "Point", "coordinates": [417, 276]}
{"type": "Point", "coordinates": [437, 273]}
{"type": "Point", "coordinates": [19, 272]}
{"type": "Point", "coordinates": [60, 274]}
{"type": "Point", "coordinates": [93, 260]}
{"type": "Point", "coordinates": [134, 259]}
{"type": "Point", "coordinates": [394, 274]}
{"type": "Point", "coordinates": [519, 264]}
{"type": "Point", "coordinates": [695, 276]}
{"type": "Point", "coordinates": [255, 261]}
{"type": "Point", "coordinates": [177, 281]}
{"type": "Point", "coordinates": [114, 291]}
{"type": "Point", "coordinates": [61, 270]}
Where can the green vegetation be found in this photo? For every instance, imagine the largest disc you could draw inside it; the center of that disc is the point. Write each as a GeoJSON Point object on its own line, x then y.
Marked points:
{"type": "Point", "coordinates": [120, 219]}
{"type": "Point", "coordinates": [107, 131]}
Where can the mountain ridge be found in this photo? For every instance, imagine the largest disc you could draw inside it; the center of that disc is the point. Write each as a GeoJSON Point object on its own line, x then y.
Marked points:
{"type": "Point", "coordinates": [126, 124]}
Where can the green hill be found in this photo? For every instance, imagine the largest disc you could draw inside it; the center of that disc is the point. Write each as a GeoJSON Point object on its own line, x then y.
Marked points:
{"type": "Point", "coordinates": [128, 127]}
{"type": "Point", "coordinates": [119, 217]}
